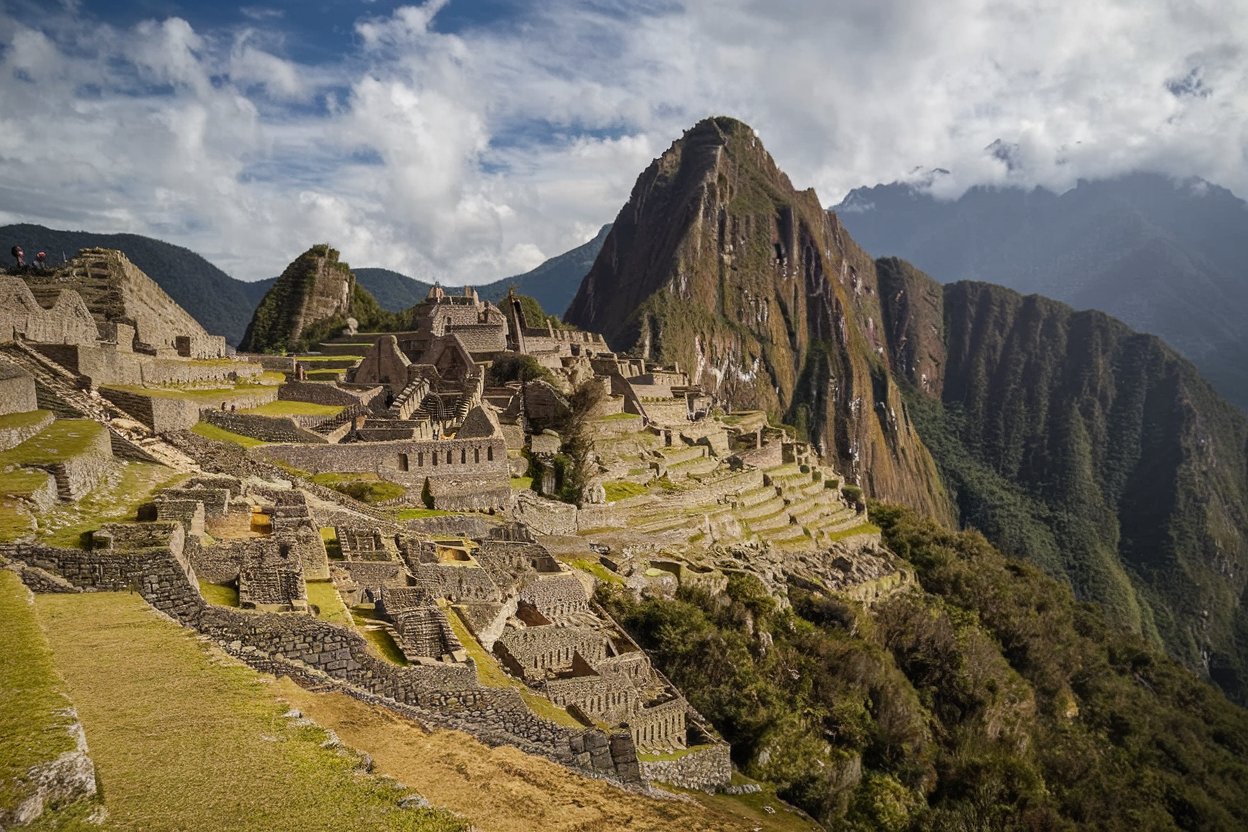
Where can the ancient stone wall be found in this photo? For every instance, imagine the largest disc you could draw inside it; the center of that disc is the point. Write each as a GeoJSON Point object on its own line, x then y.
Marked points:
{"type": "Point", "coordinates": [447, 695]}
{"type": "Point", "coordinates": [14, 435]}
{"type": "Point", "coordinates": [264, 428]}
{"type": "Point", "coordinates": [17, 390]}
{"type": "Point", "coordinates": [455, 582]}
{"type": "Point", "coordinates": [159, 413]}
{"type": "Point", "coordinates": [115, 290]}
{"type": "Point", "coordinates": [322, 392]}
{"type": "Point", "coordinates": [661, 726]}
{"type": "Point", "coordinates": [407, 462]}
{"type": "Point", "coordinates": [66, 320]}
{"type": "Point", "coordinates": [705, 767]}
{"type": "Point", "coordinates": [529, 652]}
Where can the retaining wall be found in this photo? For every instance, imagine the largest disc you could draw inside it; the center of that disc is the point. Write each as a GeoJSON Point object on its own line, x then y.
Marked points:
{"type": "Point", "coordinates": [447, 695]}
{"type": "Point", "coordinates": [705, 768]}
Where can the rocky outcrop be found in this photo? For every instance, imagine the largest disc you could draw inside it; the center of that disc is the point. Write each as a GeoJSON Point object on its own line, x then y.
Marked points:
{"type": "Point", "coordinates": [313, 287]}
{"type": "Point", "coordinates": [719, 265]}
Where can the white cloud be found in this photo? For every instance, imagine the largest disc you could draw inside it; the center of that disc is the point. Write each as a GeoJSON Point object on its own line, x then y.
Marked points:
{"type": "Point", "coordinates": [473, 155]}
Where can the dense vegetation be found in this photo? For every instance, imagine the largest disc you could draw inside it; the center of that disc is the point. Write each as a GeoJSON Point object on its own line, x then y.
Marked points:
{"type": "Point", "coordinates": [1094, 451]}
{"type": "Point", "coordinates": [988, 699]}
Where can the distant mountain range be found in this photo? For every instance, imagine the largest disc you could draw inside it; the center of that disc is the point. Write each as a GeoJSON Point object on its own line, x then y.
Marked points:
{"type": "Point", "coordinates": [1166, 257]}
{"type": "Point", "coordinates": [224, 305]}
{"type": "Point", "coordinates": [552, 284]}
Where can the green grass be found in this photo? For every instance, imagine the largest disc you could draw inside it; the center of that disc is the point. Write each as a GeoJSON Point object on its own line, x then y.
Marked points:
{"type": "Point", "coordinates": [324, 375]}
{"type": "Point", "coordinates": [20, 482]}
{"type": "Point", "coordinates": [214, 395]}
{"type": "Point", "coordinates": [596, 569]}
{"type": "Point", "coordinates": [223, 595]}
{"type": "Point", "coordinates": [31, 730]}
{"type": "Point", "coordinates": [183, 738]}
{"type": "Point", "coordinates": [15, 521]}
{"type": "Point", "coordinates": [491, 675]}
{"type": "Point", "coordinates": [853, 531]}
{"type": "Point", "coordinates": [60, 440]}
{"type": "Point", "coordinates": [622, 489]}
{"type": "Point", "coordinates": [116, 499]}
{"type": "Point", "coordinates": [287, 408]}
{"type": "Point", "coordinates": [378, 637]}
{"type": "Point", "coordinates": [365, 487]}
{"type": "Point", "coordinates": [25, 419]}
{"type": "Point", "coordinates": [221, 435]}
{"type": "Point", "coordinates": [329, 607]}
{"type": "Point", "coordinates": [522, 483]}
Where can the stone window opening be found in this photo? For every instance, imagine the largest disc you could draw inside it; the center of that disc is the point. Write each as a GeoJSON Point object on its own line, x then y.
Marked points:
{"type": "Point", "coordinates": [448, 456]}
{"type": "Point", "coordinates": [489, 453]}
{"type": "Point", "coordinates": [476, 454]}
{"type": "Point", "coordinates": [420, 459]}
{"type": "Point", "coordinates": [403, 462]}
{"type": "Point", "coordinates": [435, 459]}
{"type": "Point", "coordinates": [463, 455]}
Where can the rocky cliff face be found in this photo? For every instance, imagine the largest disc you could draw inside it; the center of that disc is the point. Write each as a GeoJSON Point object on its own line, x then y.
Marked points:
{"type": "Point", "coordinates": [313, 287]}
{"type": "Point", "coordinates": [719, 265]}
{"type": "Point", "coordinates": [1094, 450]}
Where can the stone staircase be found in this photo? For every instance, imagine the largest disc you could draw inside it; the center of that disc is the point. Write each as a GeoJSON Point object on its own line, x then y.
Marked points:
{"type": "Point", "coordinates": [61, 391]}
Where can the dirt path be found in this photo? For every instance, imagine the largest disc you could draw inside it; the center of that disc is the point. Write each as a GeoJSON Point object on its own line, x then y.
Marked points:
{"type": "Point", "coordinates": [503, 789]}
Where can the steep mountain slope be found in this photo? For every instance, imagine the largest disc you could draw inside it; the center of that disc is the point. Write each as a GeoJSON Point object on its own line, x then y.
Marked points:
{"type": "Point", "coordinates": [1165, 257]}
{"type": "Point", "coordinates": [718, 264]}
{"type": "Point", "coordinates": [220, 303]}
{"type": "Point", "coordinates": [1093, 450]}
{"type": "Point", "coordinates": [314, 287]}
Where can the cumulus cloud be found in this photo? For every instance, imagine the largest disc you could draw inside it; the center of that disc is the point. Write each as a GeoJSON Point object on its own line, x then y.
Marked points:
{"type": "Point", "coordinates": [473, 154]}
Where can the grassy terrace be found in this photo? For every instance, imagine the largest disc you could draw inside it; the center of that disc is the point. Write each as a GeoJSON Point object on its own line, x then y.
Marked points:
{"type": "Point", "coordinates": [285, 408]}
{"type": "Point", "coordinates": [31, 729]}
{"type": "Point", "coordinates": [60, 440]}
{"type": "Point", "coordinates": [622, 489]}
{"type": "Point", "coordinates": [329, 607]}
{"type": "Point", "coordinates": [491, 675]}
{"type": "Point", "coordinates": [184, 738]}
{"type": "Point", "coordinates": [365, 487]}
{"type": "Point", "coordinates": [371, 627]}
{"type": "Point", "coordinates": [25, 419]}
{"type": "Point", "coordinates": [117, 498]}
{"type": "Point", "coordinates": [214, 395]}
{"type": "Point", "coordinates": [222, 435]}
{"type": "Point", "coordinates": [223, 595]}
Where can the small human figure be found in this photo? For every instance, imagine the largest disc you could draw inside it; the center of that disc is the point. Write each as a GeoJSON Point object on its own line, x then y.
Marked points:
{"type": "Point", "coordinates": [19, 256]}
{"type": "Point", "coordinates": [41, 260]}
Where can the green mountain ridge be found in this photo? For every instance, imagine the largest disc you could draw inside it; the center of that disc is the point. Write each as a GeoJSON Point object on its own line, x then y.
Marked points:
{"type": "Point", "coordinates": [1164, 256]}
{"type": "Point", "coordinates": [1095, 451]}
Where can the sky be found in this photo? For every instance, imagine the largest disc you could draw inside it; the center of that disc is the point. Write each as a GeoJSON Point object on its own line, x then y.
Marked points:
{"type": "Point", "coordinates": [467, 140]}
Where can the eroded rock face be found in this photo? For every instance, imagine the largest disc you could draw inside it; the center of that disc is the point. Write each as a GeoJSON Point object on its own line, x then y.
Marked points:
{"type": "Point", "coordinates": [718, 264]}
{"type": "Point", "coordinates": [315, 286]}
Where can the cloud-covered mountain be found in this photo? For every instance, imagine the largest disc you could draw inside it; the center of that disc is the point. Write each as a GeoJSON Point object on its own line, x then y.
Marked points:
{"type": "Point", "coordinates": [1166, 257]}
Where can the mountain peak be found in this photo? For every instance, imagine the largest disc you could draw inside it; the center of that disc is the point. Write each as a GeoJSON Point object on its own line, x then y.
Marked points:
{"type": "Point", "coordinates": [719, 265]}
